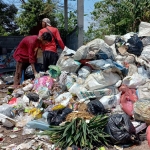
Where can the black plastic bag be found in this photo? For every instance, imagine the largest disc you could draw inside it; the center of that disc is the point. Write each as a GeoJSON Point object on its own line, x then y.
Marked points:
{"type": "Point", "coordinates": [33, 97]}
{"type": "Point", "coordinates": [135, 45]}
{"type": "Point", "coordinates": [95, 107]}
{"type": "Point", "coordinates": [57, 116]}
{"type": "Point", "coordinates": [121, 129]}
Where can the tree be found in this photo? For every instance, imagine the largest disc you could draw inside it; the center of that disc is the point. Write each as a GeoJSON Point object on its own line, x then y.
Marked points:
{"type": "Point", "coordinates": [7, 15]}
{"type": "Point", "coordinates": [32, 13]}
{"type": "Point", "coordinates": [118, 16]}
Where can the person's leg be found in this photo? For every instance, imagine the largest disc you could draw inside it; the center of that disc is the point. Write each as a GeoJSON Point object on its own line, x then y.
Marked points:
{"type": "Point", "coordinates": [18, 74]}
{"type": "Point", "coordinates": [49, 58]}
{"type": "Point", "coordinates": [45, 60]}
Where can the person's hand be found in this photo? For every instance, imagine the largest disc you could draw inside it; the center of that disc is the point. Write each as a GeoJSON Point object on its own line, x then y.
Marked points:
{"type": "Point", "coordinates": [36, 75]}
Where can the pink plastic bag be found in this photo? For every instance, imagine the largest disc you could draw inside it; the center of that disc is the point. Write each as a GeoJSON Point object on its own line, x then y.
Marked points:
{"type": "Point", "coordinates": [45, 81]}
{"type": "Point", "coordinates": [128, 98]}
{"type": "Point", "coordinates": [148, 135]}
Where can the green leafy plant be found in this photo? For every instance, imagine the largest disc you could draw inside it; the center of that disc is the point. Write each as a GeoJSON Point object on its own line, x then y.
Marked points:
{"type": "Point", "coordinates": [79, 133]}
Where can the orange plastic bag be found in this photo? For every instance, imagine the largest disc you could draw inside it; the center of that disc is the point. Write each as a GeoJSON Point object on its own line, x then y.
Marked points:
{"type": "Point", "coordinates": [128, 98]}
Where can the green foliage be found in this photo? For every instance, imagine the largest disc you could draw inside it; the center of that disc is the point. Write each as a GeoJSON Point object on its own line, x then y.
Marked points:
{"type": "Point", "coordinates": [33, 11]}
{"type": "Point", "coordinates": [7, 16]}
{"type": "Point", "coordinates": [118, 16]}
{"type": "Point", "coordinates": [72, 23]}
{"type": "Point", "coordinates": [79, 133]}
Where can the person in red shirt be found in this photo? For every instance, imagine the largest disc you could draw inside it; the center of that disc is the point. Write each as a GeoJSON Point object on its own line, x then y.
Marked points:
{"type": "Point", "coordinates": [26, 53]}
{"type": "Point", "coordinates": [50, 55]}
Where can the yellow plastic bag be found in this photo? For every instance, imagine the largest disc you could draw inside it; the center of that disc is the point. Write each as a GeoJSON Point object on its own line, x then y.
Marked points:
{"type": "Point", "coordinates": [57, 107]}
{"type": "Point", "coordinates": [36, 113]}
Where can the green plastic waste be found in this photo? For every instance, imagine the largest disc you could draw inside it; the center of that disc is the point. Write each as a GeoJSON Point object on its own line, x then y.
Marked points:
{"type": "Point", "coordinates": [54, 71]}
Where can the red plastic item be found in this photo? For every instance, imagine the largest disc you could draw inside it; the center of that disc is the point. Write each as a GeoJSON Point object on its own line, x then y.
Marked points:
{"type": "Point", "coordinates": [127, 99]}
{"type": "Point", "coordinates": [148, 135]}
{"type": "Point", "coordinates": [12, 101]}
{"type": "Point", "coordinates": [84, 62]}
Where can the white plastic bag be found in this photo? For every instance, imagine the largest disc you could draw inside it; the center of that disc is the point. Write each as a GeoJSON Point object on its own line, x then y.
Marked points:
{"type": "Point", "coordinates": [143, 91]}
{"type": "Point", "coordinates": [86, 95]}
{"type": "Point", "coordinates": [101, 79]}
{"type": "Point", "coordinates": [134, 81]}
{"type": "Point", "coordinates": [28, 87]}
{"type": "Point", "coordinates": [146, 53]}
{"type": "Point", "coordinates": [144, 29]}
{"type": "Point", "coordinates": [84, 72]}
{"type": "Point", "coordinates": [110, 101]}
{"type": "Point", "coordinates": [77, 88]}
{"type": "Point", "coordinates": [110, 39]}
{"type": "Point", "coordinates": [93, 46]}
{"type": "Point", "coordinates": [43, 92]}
{"type": "Point", "coordinates": [63, 99]}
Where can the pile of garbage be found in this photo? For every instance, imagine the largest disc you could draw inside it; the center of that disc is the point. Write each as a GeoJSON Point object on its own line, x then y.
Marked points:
{"type": "Point", "coordinates": [96, 96]}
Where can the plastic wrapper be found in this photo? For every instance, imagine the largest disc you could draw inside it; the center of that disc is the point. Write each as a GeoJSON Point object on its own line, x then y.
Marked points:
{"type": "Point", "coordinates": [28, 87]}
{"type": "Point", "coordinates": [27, 130]}
{"type": "Point", "coordinates": [45, 81]}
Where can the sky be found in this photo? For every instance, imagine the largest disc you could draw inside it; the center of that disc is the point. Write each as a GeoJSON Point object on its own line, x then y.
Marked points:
{"type": "Point", "coordinates": [88, 7]}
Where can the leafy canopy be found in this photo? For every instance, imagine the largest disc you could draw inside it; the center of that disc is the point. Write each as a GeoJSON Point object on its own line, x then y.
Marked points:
{"type": "Point", "coordinates": [118, 17]}
{"type": "Point", "coordinates": [7, 16]}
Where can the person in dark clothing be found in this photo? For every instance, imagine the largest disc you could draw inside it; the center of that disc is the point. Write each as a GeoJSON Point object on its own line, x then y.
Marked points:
{"type": "Point", "coordinates": [50, 55]}
{"type": "Point", "coordinates": [26, 53]}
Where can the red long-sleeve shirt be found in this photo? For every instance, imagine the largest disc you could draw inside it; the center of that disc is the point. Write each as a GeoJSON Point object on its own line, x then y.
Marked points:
{"type": "Point", "coordinates": [51, 46]}
{"type": "Point", "coordinates": [25, 52]}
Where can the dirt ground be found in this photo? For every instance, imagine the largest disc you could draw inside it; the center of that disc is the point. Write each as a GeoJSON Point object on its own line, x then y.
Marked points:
{"type": "Point", "coordinates": [7, 140]}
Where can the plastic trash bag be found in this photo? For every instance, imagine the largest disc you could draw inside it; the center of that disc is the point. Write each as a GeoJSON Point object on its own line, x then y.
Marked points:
{"type": "Point", "coordinates": [134, 81]}
{"type": "Point", "coordinates": [110, 101]}
{"type": "Point", "coordinates": [33, 97]}
{"type": "Point", "coordinates": [100, 79]}
{"type": "Point", "coordinates": [63, 99]}
{"type": "Point", "coordinates": [128, 98]}
{"type": "Point", "coordinates": [135, 45]}
{"type": "Point", "coordinates": [110, 39]}
{"type": "Point", "coordinates": [143, 91]}
{"type": "Point", "coordinates": [99, 93]}
{"type": "Point", "coordinates": [95, 107]}
{"type": "Point", "coordinates": [57, 116]}
{"type": "Point", "coordinates": [146, 53]}
{"type": "Point", "coordinates": [142, 111]}
{"type": "Point", "coordinates": [148, 135]}
{"type": "Point", "coordinates": [144, 29]}
{"type": "Point", "coordinates": [84, 72]}
{"type": "Point", "coordinates": [121, 129]}
{"type": "Point", "coordinates": [45, 81]}
{"type": "Point", "coordinates": [54, 71]}
{"type": "Point", "coordinates": [43, 92]}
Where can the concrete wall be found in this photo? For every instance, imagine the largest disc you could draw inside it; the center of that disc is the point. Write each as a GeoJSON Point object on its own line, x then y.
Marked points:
{"type": "Point", "coordinates": [9, 42]}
